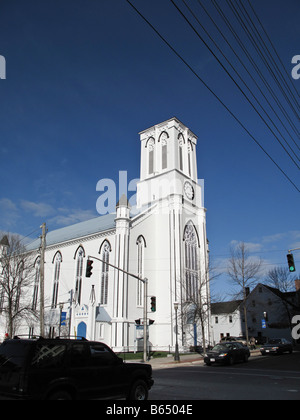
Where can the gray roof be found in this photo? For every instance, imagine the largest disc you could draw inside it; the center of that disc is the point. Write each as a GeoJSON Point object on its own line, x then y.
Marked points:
{"type": "Point", "coordinates": [225, 307]}
{"type": "Point", "coordinates": [89, 227]}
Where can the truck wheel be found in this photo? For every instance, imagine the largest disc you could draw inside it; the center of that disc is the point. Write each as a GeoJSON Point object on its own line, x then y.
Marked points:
{"type": "Point", "coordinates": [138, 391]}
{"type": "Point", "coordinates": [60, 395]}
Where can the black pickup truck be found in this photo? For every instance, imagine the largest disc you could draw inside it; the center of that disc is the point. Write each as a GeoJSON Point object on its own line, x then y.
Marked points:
{"type": "Point", "coordinates": [66, 369]}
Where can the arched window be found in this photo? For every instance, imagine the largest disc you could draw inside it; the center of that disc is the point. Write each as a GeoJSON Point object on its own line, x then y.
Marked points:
{"type": "Point", "coordinates": [57, 263]}
{"type": "Point", "coordinates": [164, 150]}
{"type": "Point", "coordinates": [36, 283]}
{"type": "Point", "coordinates": [190, 151]}
{"type": "Point", "coordinates": [141, 244]}
{"type": "Point", "coordinates": [191, 262]}
{"type": "Point", "coordinates": [105, 249]}
{"type": "Point", "coordinates": [180, 143]}
{"type": "Point", "coordinates": [79, 268]}
{"type": "Point", "coordinates": [151, 146]}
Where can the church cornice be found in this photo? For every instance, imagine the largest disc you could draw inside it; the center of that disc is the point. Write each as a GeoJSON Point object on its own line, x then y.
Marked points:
{"type": "Point", "coordinates": [162, 126]}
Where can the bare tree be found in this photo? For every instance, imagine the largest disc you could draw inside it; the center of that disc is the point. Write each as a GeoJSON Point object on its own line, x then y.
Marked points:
{"type": "Point", "coordinates": [197, 302]}
{"type": "Point", "coordinates": [281, 279]}
{"type": "Point", "coordinates": [243, 272]}
{"type": "Point", "coordinates": [16, 278]}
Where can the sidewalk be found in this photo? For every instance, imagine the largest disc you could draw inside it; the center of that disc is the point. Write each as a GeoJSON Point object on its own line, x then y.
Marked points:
{"type": "Point", "coordinates": [169, 362]}
{"type": "Point", "coordinates": [185, 360]}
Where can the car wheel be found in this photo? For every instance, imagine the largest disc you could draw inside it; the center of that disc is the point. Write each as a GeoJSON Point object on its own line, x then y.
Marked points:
{"type": "Point", "coordinates": [231, 361]}
{"type": "Point", "coordinates": [246, 357]}
{"type": "Point", "coordinates": [138, 391]}
{"type": "Point", "coordinates": [60, 395]}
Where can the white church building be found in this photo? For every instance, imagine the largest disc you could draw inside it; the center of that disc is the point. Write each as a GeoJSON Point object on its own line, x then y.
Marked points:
{"type": "Point", "coordinates": [162, 240]}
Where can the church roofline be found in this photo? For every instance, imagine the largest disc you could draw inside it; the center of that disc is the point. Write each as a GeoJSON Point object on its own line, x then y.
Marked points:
{"type": "Point", "coordinates": [77, 231]}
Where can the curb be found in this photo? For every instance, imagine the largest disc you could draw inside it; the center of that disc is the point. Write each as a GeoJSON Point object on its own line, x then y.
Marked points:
{"type": "Point", "coordinates": [162, 363]}
{"type": "Point", "coordinates": [186, 360]}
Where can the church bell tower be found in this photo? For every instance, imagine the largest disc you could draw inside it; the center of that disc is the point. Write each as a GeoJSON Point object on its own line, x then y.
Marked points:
{"type": "Point", "coordinates": [169, 191]}
{"type": "Point", "coordinates": [168, 164]}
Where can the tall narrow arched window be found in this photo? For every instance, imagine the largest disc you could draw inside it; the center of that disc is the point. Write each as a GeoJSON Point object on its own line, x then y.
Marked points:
{"type": "Point", "coordinates": [79, 269]}
{"type": "Point", "coordinates": [141, 244]}
{"type": "Point", "coordinates": [151, 147]}
{"type": "Point", "coordinates": [104, 252]}
{"type": "Point", "coordinates": [190, 156]}
{"type": "Point", "coordinates": [57, 263]}
{"type": "Point", "coordinates": [36, 284]}
{"type": "Point", "coordinates": [164, 150]}
{"type": "Point", "coordinates": [191, 262]}
{"type": "Point", "coordinates": [180, 143]}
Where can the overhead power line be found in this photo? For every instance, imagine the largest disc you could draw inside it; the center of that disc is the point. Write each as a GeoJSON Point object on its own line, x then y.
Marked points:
{"type": "Point", "coordinates": [213, 93]}
{"type": "Point", "coordinates": [255, 41]}
{"type": "Point", "coordinates": [245, 67]}
{"type": "Point", "coordinates": [274, 49]}
{"type": "Point", "coordinates": [230, 76]}
{"type": "Point", "coordinates": [255, 67]}
{"type": "Point", "coordinates": [261, 45]}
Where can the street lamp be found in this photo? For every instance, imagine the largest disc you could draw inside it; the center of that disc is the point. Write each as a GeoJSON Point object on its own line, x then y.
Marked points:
{"type": "Point", "coordinates": [176, 356]}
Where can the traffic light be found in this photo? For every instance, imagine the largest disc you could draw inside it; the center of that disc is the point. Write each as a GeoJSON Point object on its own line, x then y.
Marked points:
{"type": "Point", "coordinates": [153, 303]}
{"type": "Point", "coordinates": [89, 266]}
{"type": "Point", "coordinates": [291, 263]}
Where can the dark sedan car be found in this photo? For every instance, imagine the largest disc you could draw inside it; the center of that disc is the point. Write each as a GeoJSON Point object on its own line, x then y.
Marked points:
{"type": "Point", "coordinates": [276, 346]}
{"type": "Point", "coordinates": [227, 353]}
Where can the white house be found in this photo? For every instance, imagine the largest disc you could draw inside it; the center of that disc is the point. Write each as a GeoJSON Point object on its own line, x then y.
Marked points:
{"type": "Point", "coordinates": [163, 240]}
{"type": "Point", "coordinates": [269, 314]}
{"type": "Point", "coordinates": [226, 320]}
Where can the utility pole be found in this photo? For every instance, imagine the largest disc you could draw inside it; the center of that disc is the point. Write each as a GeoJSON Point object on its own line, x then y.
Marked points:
{"type": "Point", "coordinates": [145, 281]}
{"type": "Point", "coordinates": [42, 279]}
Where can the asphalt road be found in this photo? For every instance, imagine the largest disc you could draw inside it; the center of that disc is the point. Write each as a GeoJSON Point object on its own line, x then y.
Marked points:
{"type": "Point", "coordinates": [262, 378]}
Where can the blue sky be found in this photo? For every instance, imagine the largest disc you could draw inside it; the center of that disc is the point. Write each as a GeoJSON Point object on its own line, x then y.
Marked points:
{"type": "Point", "coordinates": [83, 77]}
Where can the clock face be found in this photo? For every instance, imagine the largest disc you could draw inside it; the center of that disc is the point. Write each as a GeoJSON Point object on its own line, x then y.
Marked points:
{"type": "Point", "coordinates": [188, 190]}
